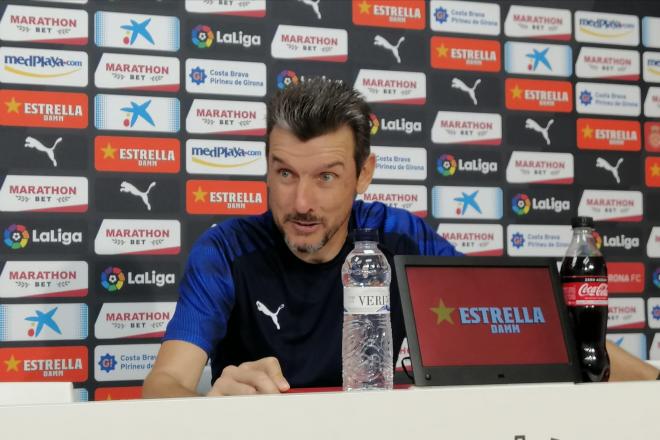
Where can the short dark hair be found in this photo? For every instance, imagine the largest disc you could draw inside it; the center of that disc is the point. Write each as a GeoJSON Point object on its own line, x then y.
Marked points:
{"type": "Point", "coordinates": [318, 106]}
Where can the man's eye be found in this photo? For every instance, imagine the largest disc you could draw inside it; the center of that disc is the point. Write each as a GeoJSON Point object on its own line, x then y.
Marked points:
{"type": "Point", "coordinates": [285, 173]}
{"type": "Point", "coordinates": [327, 177]}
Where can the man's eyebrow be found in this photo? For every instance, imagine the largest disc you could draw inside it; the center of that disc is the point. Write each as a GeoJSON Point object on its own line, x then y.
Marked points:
{"type": "Point", "coordinates": [334, 164]}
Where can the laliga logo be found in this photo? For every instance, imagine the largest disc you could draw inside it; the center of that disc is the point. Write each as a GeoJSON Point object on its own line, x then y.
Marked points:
{"type": "Point", "coordinates": [520, 204]}
{"type": "Point", "coordinates": [621, 241]}
{"type": "Point", "coordinates": [598, 239]}
{"type": "Point", "coordinates": [585, 97]}
{"type": "Point", "coordinates": [446, 165]}
{"type": "Point", "coordinates": [656, 278]}
{"type": "Point", "coordinates": [112, 279]}
{"type": "Point", "coordinates": [286, 78]}
{"type": "Point", "coordinates": [202, 36]}
{"type": "Point", "coordinates": [374, 124]}
{"type": "Point", "coordinates": [16, 236]}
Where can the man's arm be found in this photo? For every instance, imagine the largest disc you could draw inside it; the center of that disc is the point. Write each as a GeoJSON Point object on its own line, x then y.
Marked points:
{"type": "Point", "coordinates": [179, 366]}
{"type": "Point", "coordinates": [176, 371]}
{"type": "Point", "coordinates": [624, 366]}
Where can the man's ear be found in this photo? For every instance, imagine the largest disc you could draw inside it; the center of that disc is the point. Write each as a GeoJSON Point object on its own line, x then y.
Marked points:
{"type": "Point", "coordinates": [366, 173]}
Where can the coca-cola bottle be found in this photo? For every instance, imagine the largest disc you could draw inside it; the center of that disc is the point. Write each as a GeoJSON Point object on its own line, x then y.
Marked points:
{"type": "Point", "coordinates": [584, 282]}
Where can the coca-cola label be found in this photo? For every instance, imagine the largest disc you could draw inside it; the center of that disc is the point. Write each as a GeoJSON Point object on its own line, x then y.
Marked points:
{"type": "Point", "coordinates": [585, 291]}
{"type": "Point", "coordinates": [366, 300]}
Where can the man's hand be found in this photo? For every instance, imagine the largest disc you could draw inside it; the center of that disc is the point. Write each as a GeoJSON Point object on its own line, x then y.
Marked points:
{"type": "Point", "coordinates": [259, 377]}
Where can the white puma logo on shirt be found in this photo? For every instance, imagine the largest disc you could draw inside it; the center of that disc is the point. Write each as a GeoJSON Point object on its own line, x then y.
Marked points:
{"type": "Point", "coordinates": [273, 315]}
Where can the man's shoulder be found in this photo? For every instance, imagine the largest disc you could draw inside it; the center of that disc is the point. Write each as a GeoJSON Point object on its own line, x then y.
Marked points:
{"type": "Point", "coordinates": [238, 236]}
{"type": "Point", "coordinates": [377, 215]}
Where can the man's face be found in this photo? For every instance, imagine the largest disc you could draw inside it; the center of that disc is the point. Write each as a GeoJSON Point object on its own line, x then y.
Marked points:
{"type": "Point", "coordinates": [312, 186]}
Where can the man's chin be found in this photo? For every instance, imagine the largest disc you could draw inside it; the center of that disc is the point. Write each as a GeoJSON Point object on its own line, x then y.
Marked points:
{"type": "Point", "coordinates": [304, 246]}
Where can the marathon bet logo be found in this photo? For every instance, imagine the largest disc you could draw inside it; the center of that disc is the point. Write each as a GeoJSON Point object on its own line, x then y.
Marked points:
{"type": "Point", "coordinates": [44, 25]}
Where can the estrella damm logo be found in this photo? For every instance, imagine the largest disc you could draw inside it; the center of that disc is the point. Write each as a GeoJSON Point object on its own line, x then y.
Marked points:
{"type": "Point", "coordinates": [500, 320]}
{"type": "Point", "coordinates": [202, 36]}
{"type": "Point", "coordinates": [447, 165]}
{"type": "Point", "coordinates": [286, 78]}
{"type": "Point", "coordinates": [401, 14]}
{"type": "Point", "coordinates": [452, 53]}
{"type": "Point", "coordinates": [16, 236]}
{"type": "Point", "coordinates": [112, 279]}
{"type": "Point", "coordinates": [520, 204]}
{"type": "Point", "coordinates": [28, 108]}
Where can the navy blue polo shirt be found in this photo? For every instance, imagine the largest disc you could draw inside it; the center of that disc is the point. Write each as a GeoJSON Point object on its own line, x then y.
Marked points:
{"type": "Point", "coordinates": [244, 295]}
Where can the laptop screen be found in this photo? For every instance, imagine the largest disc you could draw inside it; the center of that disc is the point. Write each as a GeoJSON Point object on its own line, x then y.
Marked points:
{"type": "Point", "coordinates": [476, 315]}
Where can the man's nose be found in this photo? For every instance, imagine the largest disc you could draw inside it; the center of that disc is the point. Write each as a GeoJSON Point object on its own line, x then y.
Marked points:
{"type": "Point", "coordinates": [305, 196]}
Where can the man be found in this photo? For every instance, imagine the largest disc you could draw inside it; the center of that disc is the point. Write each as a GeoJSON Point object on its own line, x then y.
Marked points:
{"type": "Point", "coordinates": [262, 296]}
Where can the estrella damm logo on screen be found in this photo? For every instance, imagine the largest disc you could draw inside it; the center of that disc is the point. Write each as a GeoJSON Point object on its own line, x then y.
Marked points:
{"type": "Point", "coordinates": [44, 364]}
{"type": "Point", "coordinates": [225, 197]}
{"type": "Point", "coordinates": [447, 165]}
{"type": "Point", "coordinates": [118, 393]}
{"type": "Point", "coordinates": [539, 95]}
{"type": "Point", "coordinates": [466, 54]}
{"type": "Point", "coordinates": [137, 154]}
{"type": "Point", "coordinates": [401, 14]}
{"type": "Point", "coordinates": [498, 320]}
{"type": "Point", "coordinates": [16, 237]}
{"type": "Point", "coordinates": [609, 134]}
{"type": "Point", "coordinates": [521, 204]}
{"type": "Point", "coordinates": [24, 108]}
{"type": "Point", "coordinates": [202, 36]}
{"type": "Point", "coordinates": [112, 279]}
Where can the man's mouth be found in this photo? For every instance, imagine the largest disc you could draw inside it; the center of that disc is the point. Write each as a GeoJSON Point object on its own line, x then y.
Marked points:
{"type": "Point", "coordinates": [305, 227]}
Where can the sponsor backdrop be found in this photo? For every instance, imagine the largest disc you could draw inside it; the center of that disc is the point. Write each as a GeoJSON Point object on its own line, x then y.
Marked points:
{"type": "Point", "coordinates": [129, 127]}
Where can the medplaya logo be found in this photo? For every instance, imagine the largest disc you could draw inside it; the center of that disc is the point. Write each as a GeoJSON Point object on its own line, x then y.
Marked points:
{"type": "Point", "coordinates": [44, 25]}
{"type": "Point", "coordinates": [53, 279]}
{"type": "Point", "coordinates": [137, 72]}
{"type": "Point", "coordinates": [34, 66]}
{"type": "Point", "coordinates": [133, 320]}
{"type": "Point", "coordinates": [242, 8]}
{"type": "Point", "coordinates": [225, 157]}
{"type": "Point", "coordinates": [412, 198]}
{"type": "Point", "coordinates": [651, 63]}
{"type": "Point", "coordinates": [620, 206]}
{"type": "Point", "coordinates": [392, 87]}
{"type": "Point", "coordinates": [138, 237]}
{"type": "Point", "coordinates": [226, 117]}
{"type": "Point", "coordinates": [225, 77]}
{"type": "Point", "coordinates": [474, 239]}
{"type": "Point", "coordinates": [604, 28]}
{"type": "Point", "coordinates": [310, 43]}
{"type": "Point", "coordinates": [538, 23]}
{"type": "Point", "coordinates": [43, 194]}
{"type": "Point", "coordinates": [136, 31]}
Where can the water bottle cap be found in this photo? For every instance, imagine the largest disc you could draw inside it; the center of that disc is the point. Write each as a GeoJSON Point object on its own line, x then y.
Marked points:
{"type": "Point", "coordinates": [365, 234]}
{"type": "Point", "coordinates": [582, 222]}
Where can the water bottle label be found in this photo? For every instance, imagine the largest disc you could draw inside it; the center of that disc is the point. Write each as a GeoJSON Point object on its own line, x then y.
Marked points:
{"type": "Point", "coordinates": [585, 291]}
{"type": "Point", "coordinates": [366, 300]}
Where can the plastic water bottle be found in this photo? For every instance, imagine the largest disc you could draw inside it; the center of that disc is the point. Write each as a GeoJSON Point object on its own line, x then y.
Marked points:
{"type": "Point", "coordinates": [367, 360]}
